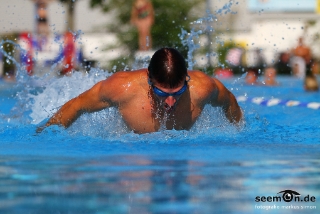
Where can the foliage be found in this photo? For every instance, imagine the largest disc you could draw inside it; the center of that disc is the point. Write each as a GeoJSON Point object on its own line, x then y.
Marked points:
{"type": "Point", "coordinates": [9, 49]}
{"type": "Point", "coordinates": [171, 17]}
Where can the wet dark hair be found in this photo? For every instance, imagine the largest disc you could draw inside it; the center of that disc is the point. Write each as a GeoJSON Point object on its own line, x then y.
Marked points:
{"type": "Point", "coordinates": [167, 67]}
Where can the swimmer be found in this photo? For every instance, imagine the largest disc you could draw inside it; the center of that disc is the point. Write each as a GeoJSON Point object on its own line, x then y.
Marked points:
{"type": "Point", "coordinates": [270, 74]}
{"type": "Point", "coordinates": [164, 94]}
{"type": "Point", "coordinates": [311, 83]}
{"type": "Point", "coordinates": [310, 79]}
{"type": "Point", "coordinates": [252, 76]}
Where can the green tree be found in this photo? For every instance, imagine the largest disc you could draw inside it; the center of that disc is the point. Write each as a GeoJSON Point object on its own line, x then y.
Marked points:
{"type": "Point", "coordinates": [9, 49]}
{"type": "Point", "coordinates": [171, 16]}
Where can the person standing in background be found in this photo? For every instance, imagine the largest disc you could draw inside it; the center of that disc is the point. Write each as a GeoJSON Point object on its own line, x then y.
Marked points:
{"type": "Point", "coordinates": [69, 54]}
{"type": "Point", "coordinates": [68, 57]}
{"type": "Point", "coordinates": [302, 51]}
{"type": "Point", "coordinates": [142, 16]}
{"type": "Point", "coordinates": [282, 66]}
{"type": "Point", "coordinates": [42, 22]}
{"type": "Point", "coordinates": [301, 58]}
{"type": "Point", "coordinates": [27, 52]}
{"type": "Point", "coordinates": [310, 79]}
{"type": "Point", "coordinates": [310, 67]}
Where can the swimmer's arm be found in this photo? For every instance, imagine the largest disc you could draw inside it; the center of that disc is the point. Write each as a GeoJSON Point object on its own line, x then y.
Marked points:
{"type": "Point", "coordinates": [90, 101]}
{"type": "Point", "coordinates": [224, 98]}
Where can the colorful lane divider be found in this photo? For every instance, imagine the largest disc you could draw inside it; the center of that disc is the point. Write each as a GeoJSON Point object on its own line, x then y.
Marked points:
{"type": "Point", "coordinates": [274, 101]}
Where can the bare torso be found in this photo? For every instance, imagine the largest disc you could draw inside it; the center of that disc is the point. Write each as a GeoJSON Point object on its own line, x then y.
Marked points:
{"type": "Point", "coordinates": [144, 112]}
{"type": "Point", "coordinates": [141, 110]}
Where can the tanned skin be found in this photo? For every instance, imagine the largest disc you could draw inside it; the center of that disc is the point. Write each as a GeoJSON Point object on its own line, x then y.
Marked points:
{"type": "Point", "coordinates": [145, 112]}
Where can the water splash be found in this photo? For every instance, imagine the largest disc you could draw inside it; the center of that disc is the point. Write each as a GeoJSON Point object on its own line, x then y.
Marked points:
{"type": "Point", "coordinates": [190, 42]}
{"type": "Point", "coordinates": [205, 24]}
{"type": "Point", "coordinates": [41, 96]}
{"type": "Point", "coordinates": [21, 73]}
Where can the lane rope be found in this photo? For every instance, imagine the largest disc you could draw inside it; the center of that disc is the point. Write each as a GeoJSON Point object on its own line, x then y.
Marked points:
{"type": "Point", "coordinates": [275, 101]}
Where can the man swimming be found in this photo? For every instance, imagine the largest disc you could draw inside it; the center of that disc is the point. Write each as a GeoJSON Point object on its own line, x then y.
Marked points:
{"type": "Point", "coordinates": [164, 94]}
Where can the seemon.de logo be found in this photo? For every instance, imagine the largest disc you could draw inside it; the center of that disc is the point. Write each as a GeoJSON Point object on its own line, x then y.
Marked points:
{"type": "Point", "coordinates": [287, 196]}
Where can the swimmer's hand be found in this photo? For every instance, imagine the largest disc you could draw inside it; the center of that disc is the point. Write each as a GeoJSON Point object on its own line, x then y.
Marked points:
{"type": "Point", "coordinates": [44, 124]}
{"type": "Point", "coordinates": [40, 128]}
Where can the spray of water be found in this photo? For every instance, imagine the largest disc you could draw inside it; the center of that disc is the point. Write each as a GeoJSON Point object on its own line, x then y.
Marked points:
{"type": "Point", "coordinates": [205, 25]}
{"type": "Point", "coordinates": [41, 96]}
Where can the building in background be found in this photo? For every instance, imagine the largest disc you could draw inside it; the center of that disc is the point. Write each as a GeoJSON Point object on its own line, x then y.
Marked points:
{"type": "Point", "coordinates": [18, 16]}
{"type": "Point", "coordinates": [271, 25]}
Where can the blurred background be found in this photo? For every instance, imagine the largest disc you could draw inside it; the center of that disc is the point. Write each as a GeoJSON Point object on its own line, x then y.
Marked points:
{"type": "Point", "coordinates": [205, 31]}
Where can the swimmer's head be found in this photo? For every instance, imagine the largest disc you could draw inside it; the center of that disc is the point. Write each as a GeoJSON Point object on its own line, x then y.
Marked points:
{"type": "Point", "coordinates": [168, 68]}
{"type": "Point", "coordinates": [311, 84]}
{"type": "Point", "coordinates": [252, 76]}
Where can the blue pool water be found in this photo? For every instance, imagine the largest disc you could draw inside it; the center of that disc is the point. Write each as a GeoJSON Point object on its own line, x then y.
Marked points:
{"type": "Point", "coordinates": [97, 166]}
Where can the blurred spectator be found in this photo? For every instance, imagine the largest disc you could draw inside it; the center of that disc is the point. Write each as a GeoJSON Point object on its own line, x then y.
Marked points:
{"type": "Point", "coordinates": [26, 53]}
{"type": "Point", "coordinates": [68, 58]}
{"type": "Point", "coordinates": [298, 66]}
{"type": "Point", "coordinates": [310, 80]}
{"type": "Point", "coordinates": [282, 66]}
{"type": "Point", "coordinates": [302, 50]}
{"type": "Point", "coordinates": [270, 74]}
{"type": "Point", "coordinates": [42, 23]}
{"type": "Point", "coordinates": [255, 65]}
{"type": "Point", "coordinates": [311, 83]}
{"type": "Point", "coordinates": [256, 60]}
{"type": "Point", "coordinates": [301, 58]}
{"type": "Point", "coordinates": [69, 53]}
{"type": "Point", "coordinates": [223, 73]}
{"type": "Point", "coordinates": [142, 16]}
{"type": "Point", "coordinates": [252, 76]}
{"type": "Point", "coordinates": [234, 59]}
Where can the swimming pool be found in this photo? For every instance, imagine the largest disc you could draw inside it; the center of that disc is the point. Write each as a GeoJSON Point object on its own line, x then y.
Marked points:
{"type": "Point", "coordinates": [97, 166]}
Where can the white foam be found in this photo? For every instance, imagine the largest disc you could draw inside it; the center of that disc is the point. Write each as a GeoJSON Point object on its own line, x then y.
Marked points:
{"type": "Point", "coordinates": [58, 91]}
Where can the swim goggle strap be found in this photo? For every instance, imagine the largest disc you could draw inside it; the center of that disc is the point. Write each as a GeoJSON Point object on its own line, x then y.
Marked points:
{"type": "Point", "coordinates": [161, 93]}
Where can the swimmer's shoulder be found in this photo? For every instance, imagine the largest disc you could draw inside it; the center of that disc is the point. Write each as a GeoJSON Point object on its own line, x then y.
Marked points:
{"type": "Point", "coordinates": [122, 84]}
{"type": "Point", "coordinates": [200, 78]}
{"type": "Point", "coordinates": [201, 85]}
{"type": "Point", "coordinates": [123, 77]}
